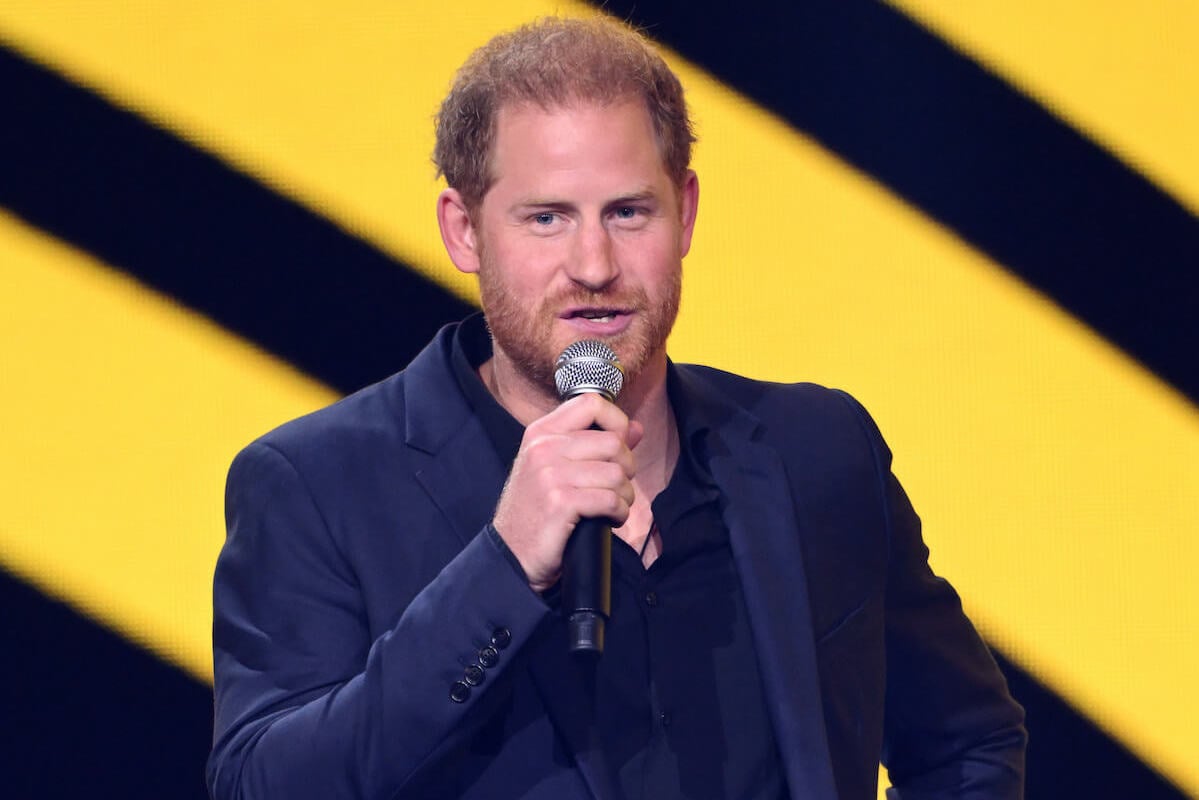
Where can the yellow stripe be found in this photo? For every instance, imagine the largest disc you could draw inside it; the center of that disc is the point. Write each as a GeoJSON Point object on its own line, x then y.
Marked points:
{"type": "Point", "coordinates": [1056, 477]}
{"type": "Point", "coordinates": [122, 411]}
{"type": "Point", "coordinates": [1125, 73]}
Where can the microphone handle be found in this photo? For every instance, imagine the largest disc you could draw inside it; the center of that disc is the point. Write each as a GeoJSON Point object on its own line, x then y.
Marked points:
{"type": "Point", "coordinates": [587, 584]}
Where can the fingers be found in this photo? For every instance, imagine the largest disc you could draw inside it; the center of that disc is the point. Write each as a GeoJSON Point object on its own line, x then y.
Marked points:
{"type": "Point", "coordinates": [580, 413]}
{"type": "Point", "coordinates": [577, 418]}
{"type": "Point", "coordinates": [569, 474]}
{"type": "Point", "coordinates": [601, 446]}
{"type": "Point", "coordinates": [566, 471]}
{"type": "Point", "coordinates": [604, 489]}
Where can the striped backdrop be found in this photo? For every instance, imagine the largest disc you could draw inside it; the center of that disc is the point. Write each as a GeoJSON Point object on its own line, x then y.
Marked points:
{"type": "Point", "coordinates": [982, 218]}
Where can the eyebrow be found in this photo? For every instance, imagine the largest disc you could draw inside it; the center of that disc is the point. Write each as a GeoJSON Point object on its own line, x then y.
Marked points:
{"type": "Point", "coordinates": [637, 196]}
{"type": "Point", "coordinates": [538, 202]}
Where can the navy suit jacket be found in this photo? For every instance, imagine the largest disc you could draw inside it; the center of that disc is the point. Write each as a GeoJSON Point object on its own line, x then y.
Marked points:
{"type": "Point", "coordinates": [358, 580]}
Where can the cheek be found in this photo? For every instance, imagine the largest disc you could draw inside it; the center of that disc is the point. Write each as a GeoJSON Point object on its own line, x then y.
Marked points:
{"type": "Point", "coordinates": [528, 259]}
{"type": "Point", "coordinates": [523, 274]}
{"type": "Point", "coordinates": [653, 259]}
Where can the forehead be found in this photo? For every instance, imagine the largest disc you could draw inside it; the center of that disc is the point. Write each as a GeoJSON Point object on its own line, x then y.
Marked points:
{"type": "Point", "coordinates": [579, 137]}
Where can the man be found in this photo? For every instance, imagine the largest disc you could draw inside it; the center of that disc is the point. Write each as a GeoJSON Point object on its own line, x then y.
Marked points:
{"type": "Point", "coordinates": [387, 620]}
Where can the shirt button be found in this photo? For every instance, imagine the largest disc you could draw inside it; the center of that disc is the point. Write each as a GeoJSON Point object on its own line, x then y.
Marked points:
{"type": "Point", "coordinates": [459, 692]}
{"type": "Point", "coordinates": [665, 719]}
{"type": "Point", "coordinates": [651, 599]}
{"type": "Point", "coordinates": [474, 674]}
{"type": "Point", "coordinates": [501, 637]}
{"type": "Point", "coordinates": [489, 656]}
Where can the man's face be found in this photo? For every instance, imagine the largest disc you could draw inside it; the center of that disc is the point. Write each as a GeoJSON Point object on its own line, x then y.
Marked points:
{"type": "Point", "coordinates": [581, 236]}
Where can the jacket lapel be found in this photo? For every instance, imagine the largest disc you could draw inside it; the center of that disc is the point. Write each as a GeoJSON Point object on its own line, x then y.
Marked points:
{"type": "Point", "coordinates": [764, 536]}
{"type": "Point", "coordinates": [462, 474]}
{"type": "Point", "coordinates": [463, 479]}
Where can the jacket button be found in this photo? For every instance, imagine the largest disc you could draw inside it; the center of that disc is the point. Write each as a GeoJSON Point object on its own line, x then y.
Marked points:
{"type": "Point", "coordinates": [459, 692]}
{"type": "Point", "coordinates": [651, 599]}
{"type": "Point", "coordinates": [474, 675]}
{"type": "Point", "coordinates": [489, 656]}
{"type": "Point", "coordinates": [501, 637]}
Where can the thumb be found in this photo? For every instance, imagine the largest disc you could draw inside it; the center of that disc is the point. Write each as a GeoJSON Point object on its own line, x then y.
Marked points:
{"type": "Point", "coordinates": [636, 431]}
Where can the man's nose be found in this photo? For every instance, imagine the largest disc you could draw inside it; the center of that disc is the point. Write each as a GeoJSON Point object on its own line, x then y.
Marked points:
{"type": "Point", "coordinates": [593, 265]}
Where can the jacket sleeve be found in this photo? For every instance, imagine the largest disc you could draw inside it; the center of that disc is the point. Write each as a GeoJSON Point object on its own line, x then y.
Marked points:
{"type": "Point", "coordinates": [307, 704]}
{"type": "Point", "coordinates": [951, 728]}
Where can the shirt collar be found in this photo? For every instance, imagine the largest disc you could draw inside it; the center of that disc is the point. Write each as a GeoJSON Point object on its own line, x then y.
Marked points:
{"type": "Point", "coordinates": [470, 349]}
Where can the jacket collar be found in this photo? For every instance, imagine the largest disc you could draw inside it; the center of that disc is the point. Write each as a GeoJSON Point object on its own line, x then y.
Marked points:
{"type": "Point", "coordinates": [462, 467]}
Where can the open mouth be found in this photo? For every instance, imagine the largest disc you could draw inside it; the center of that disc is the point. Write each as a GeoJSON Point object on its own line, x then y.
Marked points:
{"type": "Point", "coordinates": [597, 314]}
{"type": "Point", "coordinates": [600, 315]}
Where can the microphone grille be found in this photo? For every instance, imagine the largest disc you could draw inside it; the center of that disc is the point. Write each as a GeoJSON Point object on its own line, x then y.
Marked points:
{"type": "Point", "coordinates": [588, 366]}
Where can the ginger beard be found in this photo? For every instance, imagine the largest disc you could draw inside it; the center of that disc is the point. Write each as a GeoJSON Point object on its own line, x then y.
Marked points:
{"type": "Point", "coordinates": [524, 334]}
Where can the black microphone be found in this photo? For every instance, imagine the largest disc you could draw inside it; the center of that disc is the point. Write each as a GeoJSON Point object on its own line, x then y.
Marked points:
{"type": "Point", "coordinates": [588, 366]}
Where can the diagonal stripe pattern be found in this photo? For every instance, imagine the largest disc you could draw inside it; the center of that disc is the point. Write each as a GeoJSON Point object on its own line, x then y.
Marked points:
{"type": "Point", "coordinates": [288, 198]}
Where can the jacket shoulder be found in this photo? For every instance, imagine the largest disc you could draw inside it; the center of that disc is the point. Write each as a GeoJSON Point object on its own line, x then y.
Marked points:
{"type": "Point", "coordinates": [379, 415]}
{"type": "Point", "coordinates": [802, 406]}
{"type": "Point", "coordinates": [374, 413]}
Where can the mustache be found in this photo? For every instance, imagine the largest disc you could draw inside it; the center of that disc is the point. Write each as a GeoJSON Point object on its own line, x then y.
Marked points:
{"type": "Point", "coordinates": [617, 298]}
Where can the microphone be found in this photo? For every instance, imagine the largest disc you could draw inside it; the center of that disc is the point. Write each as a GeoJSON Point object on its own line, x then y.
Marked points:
{"type": "Point", "coordinates": [588, 366]}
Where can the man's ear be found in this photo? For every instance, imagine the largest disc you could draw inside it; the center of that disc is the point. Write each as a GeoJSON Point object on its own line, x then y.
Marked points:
{"type": "Point", "coordinates": [688, 209]}
{"type": "Point", "coordinates": [457, 231]}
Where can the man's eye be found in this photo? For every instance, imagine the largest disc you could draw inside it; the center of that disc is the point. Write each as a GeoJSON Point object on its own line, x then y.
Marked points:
{"type": "Point", "coordinates": [626, 212]}
{"type": "Point", "coordinates": [545, 218]}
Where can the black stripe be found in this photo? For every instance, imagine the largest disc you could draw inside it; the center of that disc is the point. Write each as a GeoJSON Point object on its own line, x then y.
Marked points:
{"type": "Point", "coordinates": [1068, 756]}
{"type": "Point", "coordinates": [967, 149]}
{"type": "Point", "coordinates": [189, 226]}
{"type": "Point", "coordinates": [87, 714]}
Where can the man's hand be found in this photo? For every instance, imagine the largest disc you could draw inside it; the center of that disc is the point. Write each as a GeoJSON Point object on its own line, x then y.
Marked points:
{"type": "Point", "coordinates": [564, 472]}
